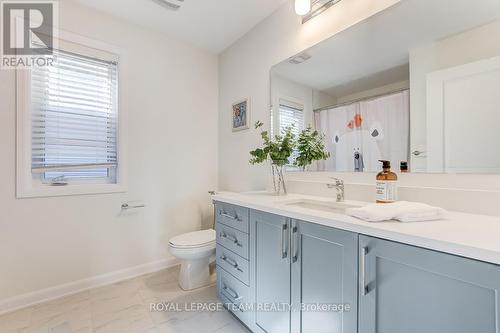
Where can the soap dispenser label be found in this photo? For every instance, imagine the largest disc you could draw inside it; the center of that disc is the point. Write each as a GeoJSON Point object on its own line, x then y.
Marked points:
{"type": "Point", "coordinates": [386, 191]}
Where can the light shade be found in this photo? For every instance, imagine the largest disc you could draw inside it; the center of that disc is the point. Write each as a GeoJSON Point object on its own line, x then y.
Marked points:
{"type": "Point", "coordinates": [302, 7]}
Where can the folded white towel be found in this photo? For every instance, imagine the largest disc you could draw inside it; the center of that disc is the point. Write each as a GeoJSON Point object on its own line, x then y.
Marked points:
{"type": "Point", "coordinates": [403, 211]}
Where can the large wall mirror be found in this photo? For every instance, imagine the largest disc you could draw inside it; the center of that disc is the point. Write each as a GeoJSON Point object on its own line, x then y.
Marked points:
{"type": "Point", "coordinates": [418, 83]}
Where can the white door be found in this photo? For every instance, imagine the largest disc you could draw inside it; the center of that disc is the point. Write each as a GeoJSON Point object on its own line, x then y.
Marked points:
{"type": "Point", "coordinates": [463, 118]}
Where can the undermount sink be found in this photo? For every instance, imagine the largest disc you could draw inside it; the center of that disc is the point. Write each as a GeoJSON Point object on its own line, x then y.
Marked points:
{"type": "Point", "coordinates": [326, 206]}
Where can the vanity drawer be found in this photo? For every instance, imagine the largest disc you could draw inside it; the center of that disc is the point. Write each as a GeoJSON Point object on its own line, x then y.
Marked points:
{"type": "Point", "coordinates": [233, 216]}
{"type": "Point", "coordinates": [233, 240]}
{"type": "Point", "coordinates": [234, 294]}
{"type": "Point", "coordinates": [233, 263]}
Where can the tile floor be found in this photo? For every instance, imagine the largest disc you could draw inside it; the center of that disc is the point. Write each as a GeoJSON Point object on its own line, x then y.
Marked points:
{"type": "Point", "coordinates": [124, 307]}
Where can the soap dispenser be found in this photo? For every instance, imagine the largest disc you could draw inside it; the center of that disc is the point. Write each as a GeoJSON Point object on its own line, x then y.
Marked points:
{"type": "Point", "coordinates": [386, 186]}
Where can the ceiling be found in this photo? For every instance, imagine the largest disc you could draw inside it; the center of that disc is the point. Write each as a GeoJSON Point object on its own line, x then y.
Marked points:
{"type": "Point", "coordinates": [383, 41]}
{"type": "Point", "coordinates": [211, 25]}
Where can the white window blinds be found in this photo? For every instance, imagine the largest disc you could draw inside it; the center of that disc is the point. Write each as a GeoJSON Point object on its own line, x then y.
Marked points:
{"type": "Point", "coordinates": [74, 117]}
{"type": "Point", "coordinates": [291, 116]}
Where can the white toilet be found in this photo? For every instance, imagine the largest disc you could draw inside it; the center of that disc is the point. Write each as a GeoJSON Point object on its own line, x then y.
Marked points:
{"type": "Point", "coordinates": [195, 249]}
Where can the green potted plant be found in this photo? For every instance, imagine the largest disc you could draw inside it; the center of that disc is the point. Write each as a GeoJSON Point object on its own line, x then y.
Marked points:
{"type": "Point", "coordinates": [278, 150]}
{"type": "Point", "coordinates": [310, 147]}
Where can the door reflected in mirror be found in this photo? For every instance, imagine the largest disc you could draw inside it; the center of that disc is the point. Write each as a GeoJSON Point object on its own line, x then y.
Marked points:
{"type": "Point", "coordinates": [416, 85]}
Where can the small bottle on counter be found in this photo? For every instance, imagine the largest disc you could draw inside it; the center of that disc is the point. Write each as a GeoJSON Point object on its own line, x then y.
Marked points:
{"type": "Point", "coordinates": [386, 186]}
{"type": "Point", "coordinates": [404, 167]}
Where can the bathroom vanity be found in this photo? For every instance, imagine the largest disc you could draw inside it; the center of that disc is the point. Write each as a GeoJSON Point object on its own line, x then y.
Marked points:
{"type": "Point", "coordinates": [383, 89]}
{"type": "Point", "coordinates": [391, 277]}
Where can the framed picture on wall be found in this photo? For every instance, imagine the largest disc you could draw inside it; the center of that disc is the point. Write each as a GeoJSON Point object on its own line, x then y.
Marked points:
{"type": "Point", "coordinates": [241, 115]}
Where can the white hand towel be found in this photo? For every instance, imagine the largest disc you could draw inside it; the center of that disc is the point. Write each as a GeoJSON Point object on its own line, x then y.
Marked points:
{"type": "Point", "coordinates": [403, 211]}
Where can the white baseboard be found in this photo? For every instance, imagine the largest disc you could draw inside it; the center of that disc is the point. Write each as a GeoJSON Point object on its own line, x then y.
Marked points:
{"type": "Point", "coordinates": [44, 295]}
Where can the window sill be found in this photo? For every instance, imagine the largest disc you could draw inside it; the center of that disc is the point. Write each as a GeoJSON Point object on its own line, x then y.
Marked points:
{"type": "Point", "coordinates": [42, 191]}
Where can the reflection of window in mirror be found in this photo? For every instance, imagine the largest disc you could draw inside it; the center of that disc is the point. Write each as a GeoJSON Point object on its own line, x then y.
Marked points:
{"type": "Point", "coordinates": [291, 115]}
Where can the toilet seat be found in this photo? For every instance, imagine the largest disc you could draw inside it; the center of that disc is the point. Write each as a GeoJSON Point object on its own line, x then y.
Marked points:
{"type": "Point", "coordinates": [191, 251]}
{"type": "Point", "coordinates": [192, 240]}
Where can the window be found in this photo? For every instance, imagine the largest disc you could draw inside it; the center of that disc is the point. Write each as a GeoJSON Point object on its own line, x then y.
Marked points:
{"type": "Point", "coordinates": [70, 112]}
{"type": "Point", "coordinates": [74, 119]}
{"type": "Point", "coordinates": [291, 114]}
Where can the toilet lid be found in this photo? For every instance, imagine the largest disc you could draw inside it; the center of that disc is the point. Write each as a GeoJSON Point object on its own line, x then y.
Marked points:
{"type": "Point", "coordinates": [193, 239]}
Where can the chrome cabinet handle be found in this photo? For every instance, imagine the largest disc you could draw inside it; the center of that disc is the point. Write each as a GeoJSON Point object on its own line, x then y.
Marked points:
{"type": "Point", "coordinates": [232, 294]}
{"type": "Point", "coordinates": [231, 262]}
{"type": "Point", "coordinates": [231, 217]}
{"type": "Point", "coordinates": [284, 243]}
{"type": "Point", "coordinates": [230, 238]}
{"type": "Point", "coordinates": [417, 153]}
{"type": "Point", "coordinates": [363, 286]}
{"type": "Point", "coordinates": [295, 244]}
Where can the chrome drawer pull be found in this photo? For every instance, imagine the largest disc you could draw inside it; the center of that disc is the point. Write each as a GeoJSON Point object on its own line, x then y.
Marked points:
{"type": "Point", "coordinates": [232, 239]}
{"type": "Point", "coordinates": [295, 244]}
{"type": "Point", "coordinates": [284, 243]}
{"type": "Point", "coordinates": [231, 217]}
{"type": "Point", "coordinates": [234, 295]}
{"type": "Point", "coordinates": [231, 262]}
{"type": "Point", "coordinates": [363, 286]}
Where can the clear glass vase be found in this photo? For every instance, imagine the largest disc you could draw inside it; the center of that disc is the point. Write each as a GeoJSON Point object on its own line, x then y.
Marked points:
{"type": "Point", "coordinates": [278, 177]}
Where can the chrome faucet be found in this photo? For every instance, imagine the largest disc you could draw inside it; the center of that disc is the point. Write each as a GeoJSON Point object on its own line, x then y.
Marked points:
{"type": "Point", "coordinates": [339, 186]}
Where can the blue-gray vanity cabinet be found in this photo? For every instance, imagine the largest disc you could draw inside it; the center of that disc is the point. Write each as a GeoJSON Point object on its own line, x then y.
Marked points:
{"type": "Point", "coordinates": [272, 270]}
{"type": "Point", "coordinates": [413, 290]}
{"type": "Point", "coordinates": [324, 274]}
{"type": "Point", "coordinates": [271, 261]}
{"type": "Point", "coordinates": [233, 216]}
{"type": "Point", "coordinates": [306, 266]}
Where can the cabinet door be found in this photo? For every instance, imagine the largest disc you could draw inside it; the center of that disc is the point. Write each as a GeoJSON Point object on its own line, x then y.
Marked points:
{"type": "Point", "coordinates": [413, 290]}
{"type": "Point", "coordinates": [272, 271]}
{"type": "Point", "coordinates": [324, 273]}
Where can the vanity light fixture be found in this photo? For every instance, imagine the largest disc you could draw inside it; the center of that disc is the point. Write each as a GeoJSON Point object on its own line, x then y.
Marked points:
{"type": "Point", "coordinates": [302, 7]}
{"type": "Point", "coordinates": [168, 4]}
{"type": "Point", "coordinates": [317, 7]}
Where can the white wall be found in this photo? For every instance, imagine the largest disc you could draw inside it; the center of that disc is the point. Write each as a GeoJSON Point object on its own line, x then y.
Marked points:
{"type": "Point", "coordinates": [284, 89]}
{"type": "Point", "coordinates": [244, 71]}
{"type": "Point", "coordinates": [473, 45]}
{"type": "Point", "coordinates": [310, 99]}
{"type": "Point", "coordinates": [386, 89]}
{"type": "Point", "coordinates": [169, 94]}
{"type": "Point", "coordinates": [322, 100]}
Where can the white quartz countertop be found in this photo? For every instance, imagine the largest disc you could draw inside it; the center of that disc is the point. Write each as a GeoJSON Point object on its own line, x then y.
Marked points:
{"type": "Point", "coordinates": [468, 235]}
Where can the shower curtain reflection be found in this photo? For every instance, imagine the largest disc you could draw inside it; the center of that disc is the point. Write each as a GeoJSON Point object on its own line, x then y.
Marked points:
{"type": "Point", "coordinates": [361, 133]}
